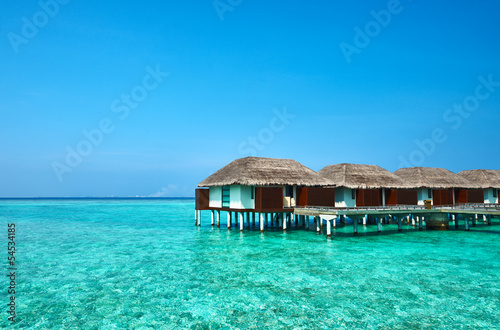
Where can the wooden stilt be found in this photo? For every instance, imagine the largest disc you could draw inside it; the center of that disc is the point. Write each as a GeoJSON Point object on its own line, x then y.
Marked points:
{"type": "Point", "coordinates": [195, 218]}
{"type": "Point", "coordinates": [253, 219]}
{"type": "Point", "coordinates": [318, 226]}
{"type": "Point", "coordinates": [218, 219]}
{"type": "Point", "coordinates": [466, 222]}
{"type": "Point", "coordinates": [420, 223]}
{"type": "Point", "coordinates": [241, 220]}
{"type": "Point", "coordinates": [455, 217]}
{"type": "Point", "coordinates": [328, 229]}
{"type": "Point", "coordinates": [228, 220]}
{"type": "Point", "coordinates": [212, 217]}
{"type": "Point", "coordinates": [285, 220]}
{"type": "Point", "coordinates": [400, 223]}
{"type": "Point", "coordinates": [488, 218]}
{"type": "Point", "coordinates": [379, 225]}
{"type": "Point", "coordinates": [474, 221]}
{"type": "Point", "coordinates": [199, 218]}
{"type": "Point", "coordinates": [354, 226]}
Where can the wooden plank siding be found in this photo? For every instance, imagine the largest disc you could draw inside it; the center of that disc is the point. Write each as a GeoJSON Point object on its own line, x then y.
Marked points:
{"type": "Point", "coordinates": [463, 196]}
{"type": "Point", "coordinates": [391, 197]}
{"type": "Point", "coordinates": [442, 197]}
{"type": "Point", "coordinates": [401, 197]}
{"type": "Point", "coordinates": [368, 197]}
{"type": "Point", "coordinates": [202, 199]}
{"type": "Point", "coordinates": [315, 196]}
{"type": "Point", "coordinates": [268, 199]}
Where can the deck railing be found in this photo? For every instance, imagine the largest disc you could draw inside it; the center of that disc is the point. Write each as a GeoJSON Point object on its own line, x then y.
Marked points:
{"type": "Point", "coordinates": [467, 206]}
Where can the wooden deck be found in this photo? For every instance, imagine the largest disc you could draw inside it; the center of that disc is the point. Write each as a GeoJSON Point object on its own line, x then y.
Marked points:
{"type": "Point", "coordinates": [484, 209]}
{"type": "Point", "coordinates": [436, 218]}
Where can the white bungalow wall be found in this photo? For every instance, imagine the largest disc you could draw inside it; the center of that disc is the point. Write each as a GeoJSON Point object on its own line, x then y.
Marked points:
{"type": "Point", "coordinates": [488, 197]}
{"type": "Point", "coordinates": [215, 196]}
{"type": "Point", "coordinates": [241, 197]}
{"type": "Point", "coordinates": [343, 198]}
{"type": "Point", "coordinates": [423, 194]}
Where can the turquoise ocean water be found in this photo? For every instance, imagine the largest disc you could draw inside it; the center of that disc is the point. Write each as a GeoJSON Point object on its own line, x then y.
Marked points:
{"type": "Point", "coordinates": [109, 264]}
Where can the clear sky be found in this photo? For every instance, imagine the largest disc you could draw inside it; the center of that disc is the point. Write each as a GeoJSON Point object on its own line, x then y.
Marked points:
{"type": "Point", "coordinates": [149, 98]}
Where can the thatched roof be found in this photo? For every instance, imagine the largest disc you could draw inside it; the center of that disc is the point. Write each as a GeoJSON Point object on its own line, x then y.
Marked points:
{"type": "Point", "coordinates": [484, 178]}
{"type": "Point", "coordinates": [435, 178]}
{"type": "Point", "coordinates": [257, 171]}
{"type": "Point", "coordinates": [356, 176]}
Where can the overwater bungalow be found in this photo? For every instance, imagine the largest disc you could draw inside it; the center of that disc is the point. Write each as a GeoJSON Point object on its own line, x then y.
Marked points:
{"type": "Point", "coordinates": [268, 186]}
{"type": "Point", "coordinates": [367, 185]}
{"type": "Point", "coordinates": [435, 184]}
{"type": "Point", "coordinates": [281, 192]}
{"type": "Point", "coordinates": [488, 181]}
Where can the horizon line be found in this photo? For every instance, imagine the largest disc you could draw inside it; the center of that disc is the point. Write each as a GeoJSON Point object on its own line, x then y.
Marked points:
{"type": "Point", "coordinates": [88, 197]}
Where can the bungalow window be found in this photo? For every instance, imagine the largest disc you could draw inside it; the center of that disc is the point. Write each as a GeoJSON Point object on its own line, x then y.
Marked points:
{"type": "Point", "coordinates": [252, 192]}
{"type": "Point", "coordinates": [495, 193]}
{"type": "Point", "coordinates": [225, 196]}
{"type": "Point", "coordinates": [353, 193]}
{"type": "Point", "coordinates": [429, 193]}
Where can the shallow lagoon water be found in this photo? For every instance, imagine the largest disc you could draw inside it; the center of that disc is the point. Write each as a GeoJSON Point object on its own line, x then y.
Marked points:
{"type": "Point", "coordinates": [107, 264]}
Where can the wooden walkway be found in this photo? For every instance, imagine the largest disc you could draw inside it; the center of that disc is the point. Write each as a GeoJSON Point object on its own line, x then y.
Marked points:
{"type": "Point", "coordinates": [437, 217]}
{"type": "Point", "coordinates": [487, 209]}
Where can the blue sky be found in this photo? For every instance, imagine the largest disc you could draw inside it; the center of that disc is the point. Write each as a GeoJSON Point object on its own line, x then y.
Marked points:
{"type": "Point", "coordinates": [169, 92]}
